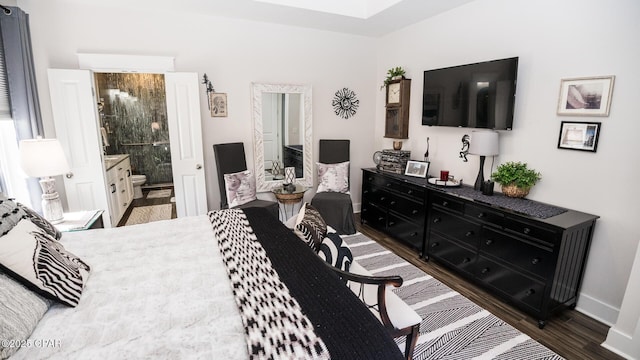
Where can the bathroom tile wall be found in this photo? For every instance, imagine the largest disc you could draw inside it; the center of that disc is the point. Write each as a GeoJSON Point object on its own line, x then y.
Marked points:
{"type": "Point", "coordinates": [133, 116]}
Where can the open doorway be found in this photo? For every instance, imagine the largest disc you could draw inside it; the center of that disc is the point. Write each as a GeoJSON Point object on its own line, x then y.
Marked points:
{"type": "Point", "coordinates": [133, 121]}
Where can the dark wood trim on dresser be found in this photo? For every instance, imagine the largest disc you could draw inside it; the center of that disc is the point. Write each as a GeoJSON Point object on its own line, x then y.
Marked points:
{"type": "Point", "coordinates": [535, 264]}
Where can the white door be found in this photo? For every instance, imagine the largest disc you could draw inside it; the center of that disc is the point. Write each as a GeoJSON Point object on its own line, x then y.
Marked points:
{"type": "Point", "coordinates": [76, 121]}
{"type": "Point", "coordinates": [271, 125]}
{"type": "Point", "coordinates": [185, 135]}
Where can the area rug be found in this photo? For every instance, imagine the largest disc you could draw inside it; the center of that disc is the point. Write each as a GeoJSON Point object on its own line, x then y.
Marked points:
{"type": "Point", "coordinates": [453, 327]}
{"type": "Point", "coordinates": [154, 194]}
{"type": "Point", "coordinates": [146, 214]}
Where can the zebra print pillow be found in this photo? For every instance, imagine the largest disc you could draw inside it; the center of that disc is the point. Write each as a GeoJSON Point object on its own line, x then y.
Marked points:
{"type": "Point", "coordinates": [336, 252]}
{"type": "Point", "coordinates": [39, 262]}
{"type": "Point", "coordinates": [10, 215]}
{"type": "Point", "coordinates": [310, 226]}
{"type": "Point", "coordinates": [41, 222]}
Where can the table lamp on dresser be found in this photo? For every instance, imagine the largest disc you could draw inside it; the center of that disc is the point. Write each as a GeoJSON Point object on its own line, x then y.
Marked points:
{"type": "Point", "coordinates": [483, 143]}
{"type": "Point", "coordinates": [44, 158]}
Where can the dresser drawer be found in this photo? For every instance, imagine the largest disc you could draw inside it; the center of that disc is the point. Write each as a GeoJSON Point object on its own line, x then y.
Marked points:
{"type": "Point", "coordinates": [408, 190]}
{"type": "Point", "coordinates": [455, 205]}
{"type": "Point", "coordinates": [376, 195]}
{"type": "Point", "coordinates": [448, 251]}
{"type": "Point", "coordinates": [483, 214]}
{"type": "Point", "coordinates": [527, 256]}
{"type": "Point", "coordinates": [373, 216]}
{"type": "Point", "coordinates": [456, 227]}
{"type": "Point", "coordinates": [409, 208]}
{"type": "Point", "coordinates": [524, 228]}
{"type": "Point", "coordinates": [406, 231]}
{"type": "Point", "coordinates": [514, 285]}
{"type": "Point", "coordinates": [375, 179]}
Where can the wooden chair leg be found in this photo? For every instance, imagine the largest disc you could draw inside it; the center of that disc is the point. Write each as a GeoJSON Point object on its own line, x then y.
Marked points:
{"type": "Point", "coordinates": [412, 339]}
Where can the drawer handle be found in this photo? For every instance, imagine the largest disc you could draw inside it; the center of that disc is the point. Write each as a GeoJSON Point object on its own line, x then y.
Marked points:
{"type": "Point", "coordinates": [382, 198]}
{"type": "Point", "coordinates": [113, 188]}
{"type": "Point", "coordinates": [535, 261]}
{"type": "Point", "coordinates": [388, 185]}
{"type": "Point", "coordinates": [415, 233]}
{"type": "Point", "coordinates": [485, 270]}
{"type": "Point", "coordinates": [469, 233]}
{"type": "Point", "coordinates": [364, 221]}
{"type": "Point", "coordinates": [526, 230]}
{"type": "Point", "coordinates": [414, 212]}
{"type": "Point", "coordinates": [529, 292]}
{"type": "Point", "coordinates": [480, 216]}
{"type": "Point", "coordinates": [128, 172]}
{"type": "Point", "coordinates": [436, 220]}
{"type": "Point", "coordinates": [445, 203]}
{"type": "Point", "coordinates": [365, 210]}
{"type": "Point", "coordinates": [410, 192]}
{"type": "Point", "coordinates": [391, 223]}
{"type": "Point", "coordinates": [392, 203]}
{"type": "Point", "coordinates": [380, 218]}
{"type": "Point", "coordinates": [365, 192]}
{"type": "Point", "coordinates": [466, 260]}
{"type": "Point", "coordinates": [435, 244]}
{"type": "Point", "coordinates": [489, 242]}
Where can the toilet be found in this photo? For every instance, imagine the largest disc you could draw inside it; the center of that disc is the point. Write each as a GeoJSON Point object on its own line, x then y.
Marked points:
{"type": "Point", "coordinates": [138, 181]}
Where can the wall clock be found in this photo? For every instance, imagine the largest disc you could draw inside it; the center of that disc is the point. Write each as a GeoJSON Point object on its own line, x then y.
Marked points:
{"type": "Point", "coordinates": [397, 113]}
{"type": "Point", "coordinates": [345, 103]}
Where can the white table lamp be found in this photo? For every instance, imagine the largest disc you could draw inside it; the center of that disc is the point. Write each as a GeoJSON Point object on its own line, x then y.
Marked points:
{"type": "Point", "coordinates": [45, 158]}
{"type": "Point", "coordinates": [483, 143]}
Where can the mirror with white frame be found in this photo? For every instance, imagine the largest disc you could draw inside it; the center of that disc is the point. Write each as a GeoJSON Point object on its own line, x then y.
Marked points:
{"type": "Point", "coordinates": [282, 126]}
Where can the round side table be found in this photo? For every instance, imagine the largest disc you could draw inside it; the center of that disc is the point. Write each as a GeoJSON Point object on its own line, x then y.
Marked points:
{"type": "Point", "coordinates": [289, 199]}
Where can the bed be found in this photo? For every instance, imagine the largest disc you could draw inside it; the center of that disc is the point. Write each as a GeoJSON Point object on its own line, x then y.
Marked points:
{"type": "Point", "coordinates": [179, 289]}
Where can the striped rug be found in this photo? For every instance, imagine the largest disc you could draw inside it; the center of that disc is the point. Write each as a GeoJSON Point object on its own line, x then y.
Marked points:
{"type": "Point", "coordinates": [453, 327]}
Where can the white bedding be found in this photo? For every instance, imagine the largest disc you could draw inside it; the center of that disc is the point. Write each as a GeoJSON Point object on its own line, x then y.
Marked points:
{"type": "Point", "coordinates": [156, 291]}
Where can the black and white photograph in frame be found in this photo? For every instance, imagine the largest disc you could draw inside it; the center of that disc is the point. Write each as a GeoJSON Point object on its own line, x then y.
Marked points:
{"type": "Point", "coordinates": [345, 103]}
{"type": "Point", "coordinates": [589, 96]}
{"type": "Point", "coordinates": [579, 135]}
{"type": "Point", "coordinates": [218, 103]}
{"type": "Point", "coordinates": [417, 168]}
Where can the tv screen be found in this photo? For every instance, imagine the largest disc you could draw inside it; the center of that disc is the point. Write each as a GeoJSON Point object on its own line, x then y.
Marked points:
{"type": "Point", "coordinates": [480, 95]}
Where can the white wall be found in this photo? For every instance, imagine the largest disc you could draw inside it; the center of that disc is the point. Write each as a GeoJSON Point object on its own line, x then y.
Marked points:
{"type": "Point", "coordinates": [233, 53]}
{"type": "Point", "coordinates": [554, 40]}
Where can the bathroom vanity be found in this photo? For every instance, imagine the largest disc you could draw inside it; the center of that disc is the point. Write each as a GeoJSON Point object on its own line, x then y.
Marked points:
{"type": "Point", "coordinates": [119, 185]}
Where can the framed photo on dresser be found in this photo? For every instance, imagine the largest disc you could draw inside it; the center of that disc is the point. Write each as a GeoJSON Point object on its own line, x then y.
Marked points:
{"type": "Point", "coordinates": [417, 168]}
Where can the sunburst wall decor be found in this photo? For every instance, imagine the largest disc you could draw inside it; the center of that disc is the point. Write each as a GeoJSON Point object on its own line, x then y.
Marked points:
{"type": "Point", "coordinates": [345, 103]}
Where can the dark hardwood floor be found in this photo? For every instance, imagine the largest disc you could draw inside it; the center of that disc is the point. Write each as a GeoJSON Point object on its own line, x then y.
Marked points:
{"type": "Point", "coordinates": [147, 202]}
{"type": "Point", "coordinates": [570, 334]}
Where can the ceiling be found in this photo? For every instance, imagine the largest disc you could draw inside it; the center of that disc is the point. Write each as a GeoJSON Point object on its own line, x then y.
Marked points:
{"type": "Point", "coordinates": [372, 18]}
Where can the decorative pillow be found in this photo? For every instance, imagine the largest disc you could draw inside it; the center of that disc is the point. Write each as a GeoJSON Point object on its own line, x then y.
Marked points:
{"type": "Point", "coordinates": [336, 252]}
{"type": "Point", "coordinates": [20, 312]}
{"type": "Point", "coordinates": [10, 215]}
{"type": "Point", "coordinates": [36, 260]}
{"type": "Point", "coordinates": [310, 226]}
{"type": "Point", "coordinates": [241, 187]}
{"type": "Point", "coordinates": [333, 177]}
{"type": "Point", "coordinates": [41, 222]}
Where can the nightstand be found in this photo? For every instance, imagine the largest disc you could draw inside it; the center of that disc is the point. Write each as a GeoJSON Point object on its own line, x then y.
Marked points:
{"type": "Point", "coordinates": [81, 220]}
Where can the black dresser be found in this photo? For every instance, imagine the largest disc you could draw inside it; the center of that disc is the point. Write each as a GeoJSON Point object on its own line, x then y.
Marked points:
{"type": "Point", "coordinates": [529, 254]}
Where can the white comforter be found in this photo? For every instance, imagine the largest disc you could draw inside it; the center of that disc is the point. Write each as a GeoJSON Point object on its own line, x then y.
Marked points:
{"type": "Point", "coordinates": [156, 291]}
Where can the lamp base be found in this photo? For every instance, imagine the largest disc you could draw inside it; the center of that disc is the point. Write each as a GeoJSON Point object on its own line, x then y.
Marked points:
{"type": "Point", "coordinates": [480, 179]}
{"type": "Point", "coordinates": [51, 204]}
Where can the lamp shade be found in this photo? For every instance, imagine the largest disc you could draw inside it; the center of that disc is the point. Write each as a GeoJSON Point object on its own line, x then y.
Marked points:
{"type": "Point", "coordinates": [484, 143]}
{"type": "Point", "coordinates": [42, 157]}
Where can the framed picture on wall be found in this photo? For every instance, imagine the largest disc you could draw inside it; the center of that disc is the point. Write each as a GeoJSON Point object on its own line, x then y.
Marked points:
{"type": "Point", "coordinates": [586, 96]}
{"type": "Point", "coordinates": [417, 168]}
{"type": "Point", "coordinates": [579, 135]}
{"type": "Point", "coordinates": [218, 102]}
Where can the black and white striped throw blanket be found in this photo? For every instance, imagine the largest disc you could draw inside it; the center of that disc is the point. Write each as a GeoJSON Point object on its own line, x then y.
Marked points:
{"type": "Point", "coordinates": [291, 304]}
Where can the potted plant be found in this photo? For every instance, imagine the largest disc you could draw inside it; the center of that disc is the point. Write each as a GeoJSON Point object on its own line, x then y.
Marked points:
{"type": "Point", "coordinates": [515, 178]}
{"type": "Point", "coordinates": [393, 74]}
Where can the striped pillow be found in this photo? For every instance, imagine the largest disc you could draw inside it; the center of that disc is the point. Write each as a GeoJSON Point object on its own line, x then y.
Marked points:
{"type": "Point", "coordinates": [33, 258]}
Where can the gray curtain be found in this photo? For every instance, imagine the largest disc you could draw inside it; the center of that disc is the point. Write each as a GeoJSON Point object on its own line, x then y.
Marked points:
{"type": "Point", "coordinates": [21, 80]}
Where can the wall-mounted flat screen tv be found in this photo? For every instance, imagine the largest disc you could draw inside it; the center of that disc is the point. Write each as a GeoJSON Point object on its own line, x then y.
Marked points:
{"type": "Point", "coordinates": [480, 95]}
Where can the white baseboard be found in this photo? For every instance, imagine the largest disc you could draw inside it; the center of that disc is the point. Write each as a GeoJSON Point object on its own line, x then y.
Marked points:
{"type": "Point", "coordinates": [597, 309]}
{"type": "Point", "coordinates": [621, 344]}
